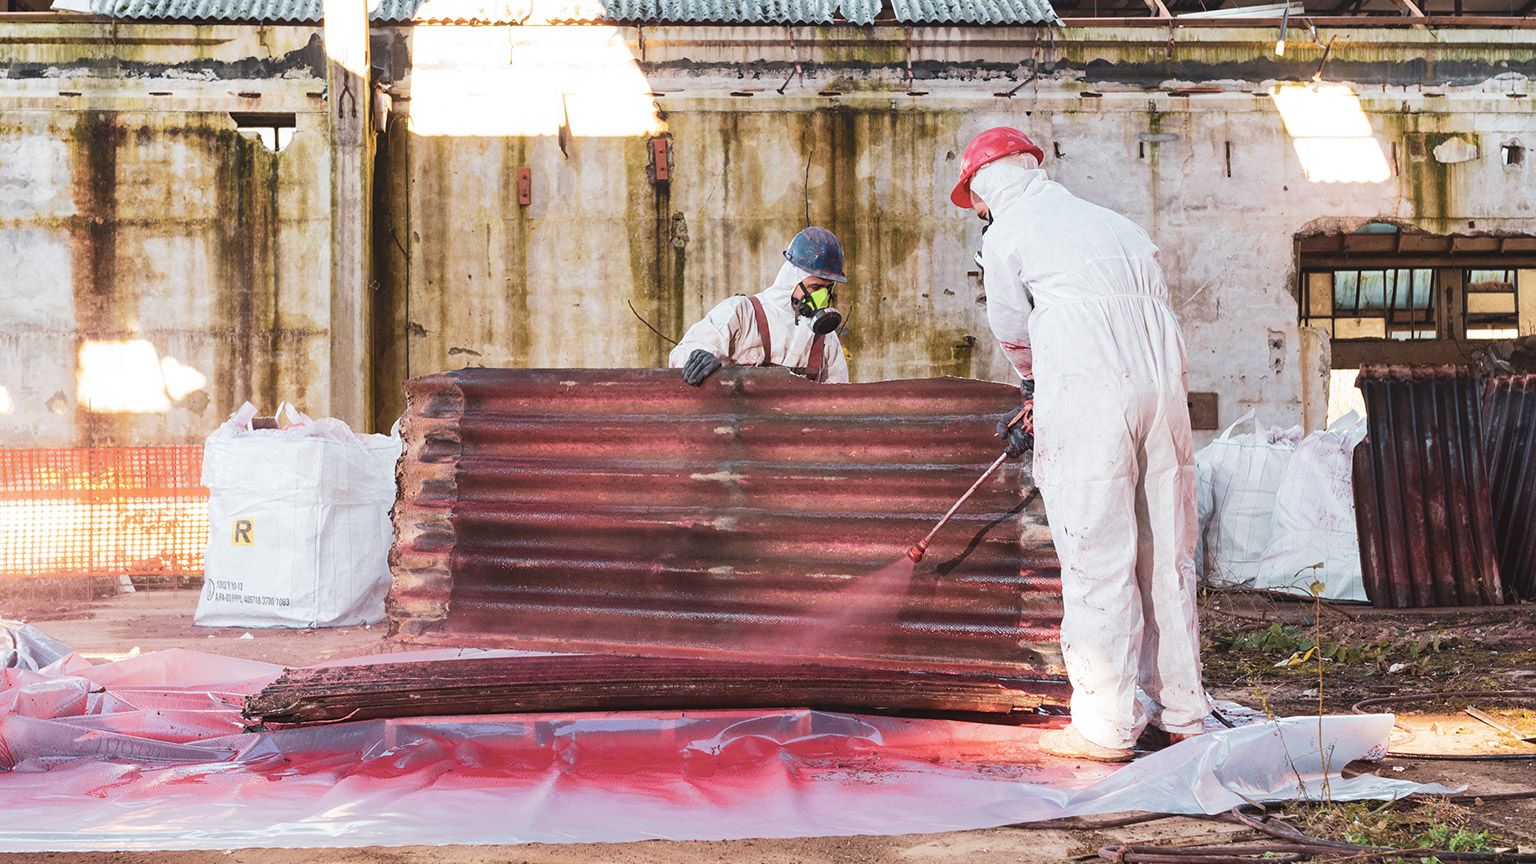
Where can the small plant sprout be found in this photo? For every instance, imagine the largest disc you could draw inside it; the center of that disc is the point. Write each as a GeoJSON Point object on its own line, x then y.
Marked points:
{"type": "Point", "coordinates": [1316, 588]}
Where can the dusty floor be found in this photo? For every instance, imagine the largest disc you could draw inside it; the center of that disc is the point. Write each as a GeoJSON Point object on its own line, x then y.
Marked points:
{"type": "Point", "coordinates": [1367, 654]}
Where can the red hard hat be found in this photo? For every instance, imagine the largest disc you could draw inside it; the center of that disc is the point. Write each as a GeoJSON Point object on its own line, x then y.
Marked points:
{"type": "Point", "coordinates": [991, 145]}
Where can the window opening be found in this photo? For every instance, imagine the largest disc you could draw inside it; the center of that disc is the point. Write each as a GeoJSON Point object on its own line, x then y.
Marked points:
{"type": "Point", "coordinates": [1512, 154]}
{"type": "Point", "coordinates": [1493, 304]}
{"type": "Point", "coordinates": [1396, 303]}
{"type": "Point", "coordinates": [1386, 296]}
{"type": "Point", "coordinates": [273, 130]}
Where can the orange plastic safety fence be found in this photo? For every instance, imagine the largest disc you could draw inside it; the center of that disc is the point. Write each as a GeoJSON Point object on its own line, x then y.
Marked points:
{"type": "Point", "coordinates": [102, 511]}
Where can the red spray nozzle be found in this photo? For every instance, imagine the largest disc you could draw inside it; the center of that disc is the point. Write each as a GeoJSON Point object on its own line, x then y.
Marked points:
{"type": "Point", "coordinates": [916, 552]}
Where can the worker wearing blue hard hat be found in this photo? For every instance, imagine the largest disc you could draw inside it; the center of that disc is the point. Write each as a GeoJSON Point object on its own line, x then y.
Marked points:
{"type": "Point", "coordinates": [1076, 299]}
{"type": "Point", "coordinates": [790, 323]}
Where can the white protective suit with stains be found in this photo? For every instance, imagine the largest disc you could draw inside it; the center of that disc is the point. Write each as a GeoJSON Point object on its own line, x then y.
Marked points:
{"type": "Point", "coordinates": [729, 331]}
{"type": "Point", "coordinates": [1076, 297]}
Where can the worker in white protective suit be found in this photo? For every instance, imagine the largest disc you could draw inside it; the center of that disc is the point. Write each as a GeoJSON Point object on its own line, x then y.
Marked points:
{"type": "Point", "coordinates": [1076, 298]}
{"type": "Point", "coordinates": [790, 323]}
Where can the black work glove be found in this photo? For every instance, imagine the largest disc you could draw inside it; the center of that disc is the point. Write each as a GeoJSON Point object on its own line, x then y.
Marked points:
{"type": "Point", "coordinates": [701, 364]}
{"type": "Point", "coordinates": [1019, 438]}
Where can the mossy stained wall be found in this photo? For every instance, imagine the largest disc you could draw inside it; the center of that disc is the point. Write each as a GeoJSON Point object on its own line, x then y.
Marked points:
{"type": "Point", "coordinates": [134, 211]}
{"type": "Point", "coordinates": [1182, 136]}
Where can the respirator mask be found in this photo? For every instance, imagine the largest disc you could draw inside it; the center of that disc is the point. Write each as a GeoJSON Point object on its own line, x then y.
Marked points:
{"type": "Point", "coordinates": [816, 304]}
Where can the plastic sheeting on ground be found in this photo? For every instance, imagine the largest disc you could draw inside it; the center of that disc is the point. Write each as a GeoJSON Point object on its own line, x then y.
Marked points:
{"type": "Point", "coordinates": [22, 646]}
{"type": "Point", "coordinates": [149, 753]}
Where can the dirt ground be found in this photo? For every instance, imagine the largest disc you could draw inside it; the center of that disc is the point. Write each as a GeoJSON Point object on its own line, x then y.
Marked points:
{"type": "Point", "coordinates": [1365, 654]}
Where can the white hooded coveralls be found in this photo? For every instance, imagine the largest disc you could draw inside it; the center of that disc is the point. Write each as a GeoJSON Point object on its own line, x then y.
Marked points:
{"type": "Point", "coordinates": [1076, 298]}
{"type": "Point", "coordinates": [729, 332]}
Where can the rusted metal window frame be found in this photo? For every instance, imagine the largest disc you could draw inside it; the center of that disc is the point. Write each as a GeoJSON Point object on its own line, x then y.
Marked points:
{"type": "Point", "coordinates": [1514, 293]}
{"type": "Point", "coordinates": [1390, 310]}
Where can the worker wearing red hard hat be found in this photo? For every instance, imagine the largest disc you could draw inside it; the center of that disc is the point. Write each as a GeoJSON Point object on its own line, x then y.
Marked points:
{"type": "Point", "coordinates": [1076, 297]}
{"type": "Point", "coordinates": [790, 323]}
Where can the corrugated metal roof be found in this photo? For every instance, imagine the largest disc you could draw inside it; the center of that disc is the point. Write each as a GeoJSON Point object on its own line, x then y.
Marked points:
{"type": "Point", "coordinates": [624, 511]}
{"type": "Point", "coordinates": [974, 11]}
{"type": "Point", "coordinates": [708, 11]}
{"type": "Point", "coordinates": [1509, 418]}
{"type": "Point", "coordinates": [860, 12]}
{"type": "Point", "coordinates": [296, 11]}
{"type": "Point", "coordinates": [1422, 503]}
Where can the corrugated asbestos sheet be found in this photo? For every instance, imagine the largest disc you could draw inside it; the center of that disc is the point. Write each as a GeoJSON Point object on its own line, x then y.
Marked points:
{"type": "Point", "coordinates": [860, 12]}
{"type": "Point", "coordinates": [301, 11]}
{"type": "Point", "coordinates": [1422, 501]}
{"type": "Point", "coordinates": [717, 11]}
{"type": "Point", "coordinates": [623, 511]}
{"type": "Point", "coordinates": [1509, 417]}
{"type": "Point", "coordinates": [974, 11]}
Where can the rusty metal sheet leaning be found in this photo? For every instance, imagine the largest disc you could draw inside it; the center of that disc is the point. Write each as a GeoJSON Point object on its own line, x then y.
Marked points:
{"type": "Point", "coordinates": [622, 511]}
{"type": "Point", "coordinates": [1421, 490]}
{"type": "Point", "coordinates": [1509, 439]}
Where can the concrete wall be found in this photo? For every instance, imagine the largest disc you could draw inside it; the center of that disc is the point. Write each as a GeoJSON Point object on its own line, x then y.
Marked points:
{"type": "Point", "coordinates": [131, 211]}
{"type": "Point", "coordinates": [1180, 133]}
{"type": "Point", "coordinates": [159, 267]}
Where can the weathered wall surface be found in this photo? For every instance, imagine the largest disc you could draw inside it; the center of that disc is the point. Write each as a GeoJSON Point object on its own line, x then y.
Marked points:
{"type": "Point", "coordinates": [1181, 135]}
{"type": "Point", "coordinates": [159, 266]}
{"type": "Point", "coordinates": [133, 213]}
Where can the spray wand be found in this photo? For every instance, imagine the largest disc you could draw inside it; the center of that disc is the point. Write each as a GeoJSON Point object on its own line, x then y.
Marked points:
{"type": "Point", "coordinates": [916, 553]}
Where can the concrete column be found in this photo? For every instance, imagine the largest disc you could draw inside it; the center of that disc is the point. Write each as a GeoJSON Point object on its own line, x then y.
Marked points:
{"type": "Point", "coordinates": [1316, 375]}
{"type": "Point", "coordinates": [347, 88]}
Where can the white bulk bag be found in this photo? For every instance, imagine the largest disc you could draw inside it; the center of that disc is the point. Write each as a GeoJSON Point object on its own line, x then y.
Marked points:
{"type": "Point", "coordinates": [298, 523]}
{"type": "Point", "coordinates": [1237, 477]}
{"type": "Point", "coordinates": [1315, 518]}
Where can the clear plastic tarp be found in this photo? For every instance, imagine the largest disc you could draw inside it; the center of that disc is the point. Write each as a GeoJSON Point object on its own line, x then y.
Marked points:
{"type": "Point", "coordinates": [150, 753]}
{"type": "Point", "coordinates": [24, 647]}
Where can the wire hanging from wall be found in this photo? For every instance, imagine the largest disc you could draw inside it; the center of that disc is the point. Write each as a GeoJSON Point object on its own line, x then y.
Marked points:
{"type": "Point", "coordinates": [648, 324]}
{"type": "Point", "coordinates": [806, 185]}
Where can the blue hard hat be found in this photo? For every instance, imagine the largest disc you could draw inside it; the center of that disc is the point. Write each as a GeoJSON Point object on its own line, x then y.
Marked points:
{"type": "Point", "coordinates": [817, 252]}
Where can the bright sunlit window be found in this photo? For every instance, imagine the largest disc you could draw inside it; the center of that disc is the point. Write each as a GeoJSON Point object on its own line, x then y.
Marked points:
{"type": "Point", "coordinates": [585, 80]}
{"type": "Point", "coordinates": [1331, 134]}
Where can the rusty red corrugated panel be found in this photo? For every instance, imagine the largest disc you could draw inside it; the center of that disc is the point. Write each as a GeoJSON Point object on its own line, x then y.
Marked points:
{"type": "Point", "coordinates": [624, 511]}
{"type": "Point", "coordinates": [1421, 490]}
{"type": "Point", "coordinates": [1509, 417]}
